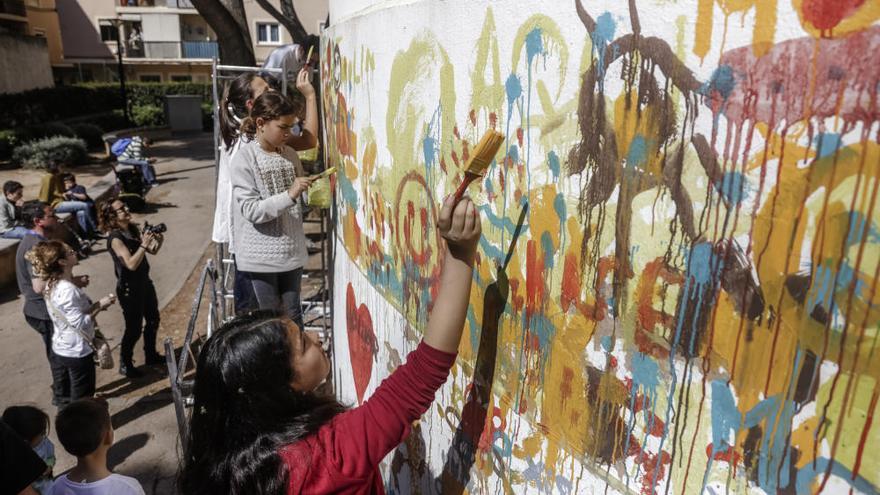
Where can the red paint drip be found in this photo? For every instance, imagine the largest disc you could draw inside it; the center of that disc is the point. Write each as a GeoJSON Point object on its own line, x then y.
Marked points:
{"type": "Point", "coordinates": [827, 14]}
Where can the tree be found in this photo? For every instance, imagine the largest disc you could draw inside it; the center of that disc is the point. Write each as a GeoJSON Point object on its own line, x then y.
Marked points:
{"type": "Point", "coordinates": [228, 20]}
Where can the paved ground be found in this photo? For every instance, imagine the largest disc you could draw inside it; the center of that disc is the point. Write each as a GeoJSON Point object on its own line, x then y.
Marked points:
{"type": "Point", "coordinates": [146, 432]}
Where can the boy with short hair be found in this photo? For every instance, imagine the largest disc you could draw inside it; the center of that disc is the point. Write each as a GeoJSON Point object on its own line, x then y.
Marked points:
{"type": "Point", "coordinates": [85, 431]}
{"type": "Point", "coordinates": [10, 210]}
{"type": "Point", "coordinates": [133, 154]}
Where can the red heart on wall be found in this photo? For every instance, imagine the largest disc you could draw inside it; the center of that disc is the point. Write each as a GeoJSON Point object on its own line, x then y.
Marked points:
{"type": "Point", "coordinates": [362, 346]}
{"type": "Point", "coordinates": [827, 14]}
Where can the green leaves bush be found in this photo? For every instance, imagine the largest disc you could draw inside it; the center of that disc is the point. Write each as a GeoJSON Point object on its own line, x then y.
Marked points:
{"type": "Point", "coordinates": [147, 115]}
{"type": "Point", "coordinates": [37, 154]}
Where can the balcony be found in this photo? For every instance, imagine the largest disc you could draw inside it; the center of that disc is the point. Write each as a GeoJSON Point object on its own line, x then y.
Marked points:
{"type": "Point", "coordinates": [172, 50]}
{"type": "Point", "coordinates": [200, 49]}
{"type": "Point", "coordinates": [13, 8]}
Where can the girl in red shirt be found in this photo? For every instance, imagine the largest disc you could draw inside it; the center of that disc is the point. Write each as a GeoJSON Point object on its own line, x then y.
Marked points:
{"type": "Point", "coordinates": [258, 427]}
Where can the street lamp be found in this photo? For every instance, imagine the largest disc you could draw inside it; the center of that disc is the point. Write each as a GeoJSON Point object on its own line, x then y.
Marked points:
{"type": "Point", "coordinates": [117, 22]}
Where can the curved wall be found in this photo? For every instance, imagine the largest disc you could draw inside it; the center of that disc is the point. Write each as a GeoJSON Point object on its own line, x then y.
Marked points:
{"type": "Point", "coordinates": [691, 302]}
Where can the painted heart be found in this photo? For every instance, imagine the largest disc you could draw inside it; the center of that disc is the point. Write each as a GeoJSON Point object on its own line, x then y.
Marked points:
{"type": "Point", "coordinates": [362, 346]}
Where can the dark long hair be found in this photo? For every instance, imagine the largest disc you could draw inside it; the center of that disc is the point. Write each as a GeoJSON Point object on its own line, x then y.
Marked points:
{"type": "Point", "coordinates": [108, 220]}
{"type": "Point", "coordinates": [244, 410]}
{"type": "Point", "coordinates": [233, 106]}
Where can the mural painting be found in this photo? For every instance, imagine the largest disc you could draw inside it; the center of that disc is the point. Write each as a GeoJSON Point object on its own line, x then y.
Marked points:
{"type": "Point", "coordinates": [676, 288]}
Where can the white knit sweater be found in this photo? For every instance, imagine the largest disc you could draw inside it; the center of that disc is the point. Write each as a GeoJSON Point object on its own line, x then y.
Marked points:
{"type": "Point", "coordinates": [268, 225]}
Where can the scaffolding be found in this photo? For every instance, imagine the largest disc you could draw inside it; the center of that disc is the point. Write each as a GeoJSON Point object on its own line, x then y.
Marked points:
{"type": "Point", "coordinates": [218, 276]}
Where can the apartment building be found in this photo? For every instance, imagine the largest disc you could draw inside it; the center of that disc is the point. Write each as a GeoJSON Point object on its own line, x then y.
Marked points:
{"type": "Point", "coordinates": [30, 44]}
{"type": "Point", "coordinates": [160, 40]}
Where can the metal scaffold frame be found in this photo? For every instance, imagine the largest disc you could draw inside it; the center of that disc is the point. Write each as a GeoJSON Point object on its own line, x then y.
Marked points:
{"type": "Point", "coordinates": [218, 274]}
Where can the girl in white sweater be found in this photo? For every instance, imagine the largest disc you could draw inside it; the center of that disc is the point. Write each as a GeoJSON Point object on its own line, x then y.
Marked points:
{"type": "Point", "coordinates": [268, 182]}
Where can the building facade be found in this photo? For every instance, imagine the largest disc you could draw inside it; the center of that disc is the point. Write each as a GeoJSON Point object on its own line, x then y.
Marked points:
{"type": "Point", "coordinates": [160, 40]}
{"type": "Point", "coordinates": [30, 44]}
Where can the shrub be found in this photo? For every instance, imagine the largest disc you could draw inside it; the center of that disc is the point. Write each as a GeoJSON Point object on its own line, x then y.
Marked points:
{"type": "Point", "coordinates": [50, 129]}
{"type": "Point", "coordinates": [38, 154]}
{"type": "Point", "coordinates": [147, 115]}
{"type": "Point", "coordinates": [90, 133]}
{"type": "Point", "coordinates": [207, 116]}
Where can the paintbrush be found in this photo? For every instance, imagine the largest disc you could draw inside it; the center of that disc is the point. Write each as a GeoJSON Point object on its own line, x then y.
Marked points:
{"type": "Point", "coordinates": [483, 155]}
{"type": "Point", "coordinates": [325, 173]}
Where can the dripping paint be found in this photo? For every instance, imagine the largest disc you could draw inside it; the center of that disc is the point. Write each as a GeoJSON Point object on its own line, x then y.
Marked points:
{"type": "Point", "coordinates": [676, 288]}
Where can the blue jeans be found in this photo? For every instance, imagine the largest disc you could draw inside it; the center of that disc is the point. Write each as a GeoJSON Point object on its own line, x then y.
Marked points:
{"type": "Point", "coordinates": [83, 214]}
{"type": "Point", "coordinates": [16, 232]}
{"type": "Point", "coordinates": [145, 167]}
{"type": "Point", "coordinates": [279, 291]}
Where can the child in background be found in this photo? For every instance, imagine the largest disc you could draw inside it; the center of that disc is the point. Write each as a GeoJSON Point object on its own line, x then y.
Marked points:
{"type": "Point", "coordinates": [76, 192]}
{"type": "Point", "coordinates": [134, 155]}
{"type": "Point", "coordinates": [52, 192]}
{"type": "Point", "coordinates": [32, 425]}
{"type": "Point", "coordinates": [84, 429]}
{"type": "Point", "coordinates": [10, 210]}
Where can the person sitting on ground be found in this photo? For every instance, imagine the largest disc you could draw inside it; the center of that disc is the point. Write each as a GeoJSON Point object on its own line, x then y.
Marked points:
{"type": "Point", "coordinates": [32, 425]}
{"type": "Point", "coordinates": [137, 295]}
{"type": "Point", "coordinates": [19, 464]}
{"type": "Point", "coordinates": [52, 192]}
{"type": "Point", "coordinates": [10, 211]}
{"type": "Point", "coordinates": [258, 426]}
{"type": "Point", "coordinates": [133, 154]}
{"type": "Point", "coordinates": [85, 431]}
{"type": "Point", "coordinates": [72, 313]}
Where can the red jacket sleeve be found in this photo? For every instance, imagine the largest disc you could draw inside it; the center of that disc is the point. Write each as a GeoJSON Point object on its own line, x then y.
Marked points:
{"type": "Point", "coordinates": [358, 440]}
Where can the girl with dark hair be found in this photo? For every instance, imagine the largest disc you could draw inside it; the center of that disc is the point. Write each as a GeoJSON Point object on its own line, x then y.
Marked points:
{"type": "Point", "coordinates": [258, 426]}
{"type": "Point", "coordinates": [73, 316]}
{"type": "Point", "coordinates": [32, 425]}
{"type": "Point", "coordinates": [267, 182]}
{"type": "Point", "coordinates": [137, 295]}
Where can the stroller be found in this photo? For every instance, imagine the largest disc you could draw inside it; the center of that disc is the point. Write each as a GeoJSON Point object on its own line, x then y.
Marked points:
{"type": "Point", "coordinates": [131, 188]}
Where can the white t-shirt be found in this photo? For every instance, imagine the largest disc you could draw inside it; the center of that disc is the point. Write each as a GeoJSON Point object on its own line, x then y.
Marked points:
{"type": "Point", "coordinates": [69, 308]}
{"type": "Point", "coordinates": [115, 484]}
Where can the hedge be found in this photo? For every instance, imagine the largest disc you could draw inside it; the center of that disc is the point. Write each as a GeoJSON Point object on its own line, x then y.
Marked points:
{"type": "Point", "coordinates": [39, 106]}
{"type": "Point", "coordinates": [37, 154]}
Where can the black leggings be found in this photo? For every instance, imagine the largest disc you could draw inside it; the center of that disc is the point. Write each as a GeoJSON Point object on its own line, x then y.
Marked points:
{"type": "Point", "coordinates": [79, 376]}
{"type": "Point", "coordinates": [140, 308]}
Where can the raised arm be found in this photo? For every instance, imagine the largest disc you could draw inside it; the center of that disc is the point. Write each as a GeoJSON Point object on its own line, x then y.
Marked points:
{"type": "Point", "coordinates": [131, 260]}
{"type": "Point", "coordinates": [362, 437]}
{"type": "Point", "coordinates": [308, 139]}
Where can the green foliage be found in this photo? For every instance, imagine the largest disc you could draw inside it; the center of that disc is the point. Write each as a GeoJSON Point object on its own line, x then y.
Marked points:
{"type": "Point", "coordinates": [37, 154]}
{"type": "Point", "coordinates": [147, 115]}
{"type": "Point", "coordinates": [37, 106]}
{"type": "Point", "coordinates": [8, 141]}
{"type": "Point", "coordinates": [90, 133]}
{"type": "Point", "coordinates": [207, 116]}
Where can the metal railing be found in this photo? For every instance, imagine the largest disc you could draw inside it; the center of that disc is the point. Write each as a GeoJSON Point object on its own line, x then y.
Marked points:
{"type": "Point", "coordinates": [200, 49]}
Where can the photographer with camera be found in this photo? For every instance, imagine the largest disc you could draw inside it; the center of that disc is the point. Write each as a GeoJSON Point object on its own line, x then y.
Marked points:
{"type": "Point", "coordinates": [129, 247]}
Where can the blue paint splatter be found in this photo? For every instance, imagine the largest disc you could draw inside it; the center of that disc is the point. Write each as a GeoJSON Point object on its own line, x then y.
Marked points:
{"type": "Point", "coordinates": [534, 45]}
{"type": "Point", "coordinates": [606, 343]}
{"type": "Point", "coordinates": [549, 250]}
{"type": "Point", "coordinates": [811, 470]}
{"type": "Point", "coordinates": [553, 163]}
{"type": "Point", "coordinates": [514, 90]}
{"type": "Point", "coordinates": [513, 153]}
{"type": "Point", "coordinates": [559, 206]}
{"type": "Point", "coordinates": [645, 371]}
{"type": "Point", "coordinates": [638, 152]}
{"type": "Point", "coordinates": [722, 82]}
{"type": "Point", "coordinates": [734, 187]}
{"type": "Point", "coordinates": [601, 37]}
{"type": "Point", "coordinates": [500, 222]}
{"type": "Point", "coordinates": [428, 148]}
{"type": "Point", "coordinates": [349, 195]}
{"type": "Point", "coordinates": [827, 143]}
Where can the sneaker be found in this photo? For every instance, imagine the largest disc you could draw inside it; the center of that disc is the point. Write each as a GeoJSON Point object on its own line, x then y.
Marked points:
{"type": "Point", "coordinates": [128, 370]}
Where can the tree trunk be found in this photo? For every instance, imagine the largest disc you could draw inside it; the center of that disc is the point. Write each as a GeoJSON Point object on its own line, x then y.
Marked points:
{"type": "Point", "coordinates": [228, 20]}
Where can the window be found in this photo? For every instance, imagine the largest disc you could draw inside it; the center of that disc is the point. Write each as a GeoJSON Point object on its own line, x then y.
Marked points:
{"type": "Point", "coordinates": [150, 78]}
{"type": "Point", "coordinates": [181, 78]}
{"type": "Point", "coordinates": [109, 32]}
{"type": "Point", "coordinates": [268, 33]}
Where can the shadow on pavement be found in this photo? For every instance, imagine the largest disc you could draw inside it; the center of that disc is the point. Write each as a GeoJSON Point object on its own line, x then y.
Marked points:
{"type": "Point", "coordinates": [122, 449]}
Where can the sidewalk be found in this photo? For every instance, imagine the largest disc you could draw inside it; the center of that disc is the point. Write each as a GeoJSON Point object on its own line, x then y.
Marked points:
{"type": "Point", "coordinates": [146, 432]}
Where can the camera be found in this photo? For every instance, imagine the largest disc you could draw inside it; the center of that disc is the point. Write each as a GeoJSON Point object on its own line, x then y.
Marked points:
{"type": "Point", "coordinates": [159, 228]}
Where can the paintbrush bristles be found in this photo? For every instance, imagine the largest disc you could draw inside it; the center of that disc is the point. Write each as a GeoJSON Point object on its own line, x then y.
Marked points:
{"type": "Point", "coordinates": [484, 153]}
